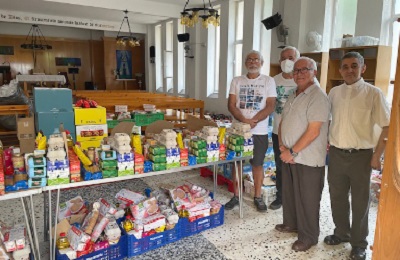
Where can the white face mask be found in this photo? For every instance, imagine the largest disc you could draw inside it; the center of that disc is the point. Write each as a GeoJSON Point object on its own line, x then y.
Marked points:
{"type": "Point", "coordinates": [287, 66]}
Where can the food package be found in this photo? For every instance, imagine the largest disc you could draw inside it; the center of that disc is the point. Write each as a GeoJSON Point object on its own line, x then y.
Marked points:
{"type": "Point", "coordinates": [73, 206]}
{"type": "Point", "coordinates": [215, 207]}
{"type": "Point", "coordinates": [125, 157]}
{"type": "Point", "coordinates": [37, 182]}
{"type": "Point", "coordinates": [108, 155]}
{"type": "Point", "coordinates": [22, 254]}
{"type": "Point", "coordinates": [179, 140]}
{"type": "Point", "coordinates": [151, 222]}
{"type": "Point", "coordinates": [41, 141]}
{"type": "Point", "coordinates": [112, 232]}
{"type": "Point", "coordinates": [129, 197]}
{"type": "Point", "coordinates": [170, 215]}
{"type": "Point", "coordinates": [246, 135]}
{"type": "Point", "coordinates": [198, 144]}
{"type": "Point", "coordinates": [71, 254]}
{"type": "Point", "coordinates": [159, 166]}
{"type": "Point", "coordinates": [221, 135]}
{"type": "Point", "coordinates": [157, 150]}
{"type": "Point", "coordinates": [34, 162]}
{"type": "Point", "coordinates": [91, 219]}
{"type": "Point", "coordinates": [99, 228]}
{"type": "Point", "coordinates": [108, 164]}
{"type": "Point", "coordinates": [139, 159]}
{"type": "Point", "coordinates": [158, 158]}
{"type": "Point", "coordinates": [212, 147]}
{"type": "Point", "coordinates": [77, 238]}
{"type": "Point", "coordinates": [101, 245]}
{"type": "Point", "coordinates": [139, 169]}
{"type": "Point", "coordinates": [175, 151]}
{"type": "Point", "coordinates": [200, 210]}
{"type": "Point", "coordinates": [137, 144]}
{"type": "Point", "coordinates": [106, 209]}
{"type": "Point", "coordinates": [241, 126]}
{"type": "Point", "coordinates": [13, 238]}
{"type": "Point", "coordinates": [248, 141]}
{"type": "Point", "coordinates": [168, 134]}
{"type": "Point", "coordinates": [181, 197]}
{"type": "Point", "coordinates": [184, 153]}
{"type": "Point", "coordinates": [210, 130]}
{"type": "Point", "coordinates": [145, 208]}
{"type": "Point", "coordinates": [173, 159]}
{"type": "Point", "coordinates": [199, 194]}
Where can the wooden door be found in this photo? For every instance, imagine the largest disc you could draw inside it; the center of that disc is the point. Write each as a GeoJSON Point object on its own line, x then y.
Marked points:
{"type": "Point", "coordinates": [387, 234]}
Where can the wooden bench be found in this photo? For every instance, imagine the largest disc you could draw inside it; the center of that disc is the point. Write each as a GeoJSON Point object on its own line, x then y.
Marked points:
{"type": "Point", "coordinates": [136, 99]}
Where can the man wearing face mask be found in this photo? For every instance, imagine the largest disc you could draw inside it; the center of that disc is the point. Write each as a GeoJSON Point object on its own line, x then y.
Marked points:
{"type": "Point", "coordinates": [252, 100]}
{"type": "Point", "coordinates": [285, 86]}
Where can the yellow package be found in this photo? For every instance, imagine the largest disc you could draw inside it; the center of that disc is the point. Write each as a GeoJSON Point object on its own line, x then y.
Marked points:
{"type": "Point", "coordinates": [41, 141]}
{"type": "Point", "coordinates": [179, 140]}
{"type": "Point", "coordinates": [82, 156]}
{"type": "Point", "coordinates": [137, 144]}
{"type": "Point", "coordinates": [221, 135]}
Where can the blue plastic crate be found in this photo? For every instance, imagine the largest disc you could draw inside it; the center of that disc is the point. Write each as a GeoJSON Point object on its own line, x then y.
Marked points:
{"type": "Point", "coordinates": [113, 252]}
{"type": "Point", "coordinates": [218, 219]}
{"type": "Point", "coordinates": [140, 246]}
{"type": "Point", "coordinates": [201, 224]}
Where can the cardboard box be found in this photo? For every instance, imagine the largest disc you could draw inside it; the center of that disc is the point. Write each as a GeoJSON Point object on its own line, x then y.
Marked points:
{"type": "Point", "coordinates": [86, 144]}
{"type": "Point", "coordinates": [26, 128]}
{"type": "Point", "coordinates": [90, 116]}
{"type": "Point", "coordinates": [52, 100]}
{"type": "Point", "coordinates": [196, 124]}
{"type": "Point", "coordinates": [26, 134]}
{"type": "Point", "coordinates": [48, 122]}
{"type": "Point", "coordinates": [91, 132]}
{"type": "Point", "coordinates": [27, 145]}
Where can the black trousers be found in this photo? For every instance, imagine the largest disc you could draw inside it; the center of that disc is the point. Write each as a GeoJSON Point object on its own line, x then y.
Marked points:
{"type": "Point", "coordinates": [301, 190]}
{"type": "Point", "coordinates": [278, 164]}
{"type": "Point", "coordinates": [350, 172]}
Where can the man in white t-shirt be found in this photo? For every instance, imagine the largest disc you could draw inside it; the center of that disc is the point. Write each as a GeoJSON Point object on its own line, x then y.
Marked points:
{"type": "Point", "coordinates": [252, 100]}
{"type": "Point", "coordinates": [285, 86]}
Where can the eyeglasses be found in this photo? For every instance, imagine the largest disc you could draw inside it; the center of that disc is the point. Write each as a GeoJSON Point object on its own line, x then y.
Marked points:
{"type": "Point", "coordinates": [252, 60]}
{"type": "Point", "coordinates": [302, 70]}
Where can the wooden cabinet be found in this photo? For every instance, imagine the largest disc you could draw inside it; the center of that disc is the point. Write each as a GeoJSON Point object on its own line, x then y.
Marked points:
{"type": "Point", "coordinates": [376, 58]}
{"type": "Point", "coordinates": [321, 58]}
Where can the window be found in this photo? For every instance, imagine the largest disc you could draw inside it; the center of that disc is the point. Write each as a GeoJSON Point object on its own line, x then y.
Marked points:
{"type": "Point", "coordinates": [238, 44]}
{"type": "Point", "coordinates": [159, 72]}
{"type": "Point", "coordinates": [181, 63]}
{"type": "Point", "coordinates": [213, 50]}
{"type": "Point", "coordinates": [344, 21]}
{"type": "Point", "coordinates": [169, 58]}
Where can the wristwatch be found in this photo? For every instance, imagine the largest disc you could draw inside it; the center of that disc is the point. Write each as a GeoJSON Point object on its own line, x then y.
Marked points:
{"type": "Point", "coordinates": [294, 154]}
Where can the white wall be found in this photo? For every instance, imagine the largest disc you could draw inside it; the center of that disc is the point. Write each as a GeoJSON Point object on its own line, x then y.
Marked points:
{"type": "Point", "coordinates": [51, 31]}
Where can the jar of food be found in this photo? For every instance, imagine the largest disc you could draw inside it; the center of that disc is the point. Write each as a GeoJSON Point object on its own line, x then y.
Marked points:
{"type": "Point", "coordinates": [91, 153]}
{"type": "Point", "coordinates": [18, 162]}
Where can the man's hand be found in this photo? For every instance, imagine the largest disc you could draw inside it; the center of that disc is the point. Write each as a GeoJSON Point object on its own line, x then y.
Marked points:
{"type": "Point", "coordinates": [286, 156]}
{"type": "Point", "coordinates": [252, 122]}
{"type": "Point", "coordinates": [376, 162]}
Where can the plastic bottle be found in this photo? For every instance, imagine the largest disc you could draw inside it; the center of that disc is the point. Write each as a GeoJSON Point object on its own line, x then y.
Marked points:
{"type": "Point", "coordinates": [62, 241]}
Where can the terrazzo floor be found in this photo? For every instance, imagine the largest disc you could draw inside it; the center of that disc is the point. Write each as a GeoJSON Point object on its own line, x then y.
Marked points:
{"type": "Point", "coordinates": [252, 237]}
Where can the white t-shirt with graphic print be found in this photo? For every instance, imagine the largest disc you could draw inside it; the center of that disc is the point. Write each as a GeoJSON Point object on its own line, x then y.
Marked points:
{"type": "Point", "coordinates": [251, 97]}
{"type": "Point", "coordinates": [284, 88]}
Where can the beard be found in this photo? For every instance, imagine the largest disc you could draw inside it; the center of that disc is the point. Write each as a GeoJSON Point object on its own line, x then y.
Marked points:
{"type": "Point", "coordinates": [253, 70]}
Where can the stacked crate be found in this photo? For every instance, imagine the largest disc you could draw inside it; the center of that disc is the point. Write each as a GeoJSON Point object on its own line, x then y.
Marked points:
{"type": "Point", "coordinates": [36, 172]}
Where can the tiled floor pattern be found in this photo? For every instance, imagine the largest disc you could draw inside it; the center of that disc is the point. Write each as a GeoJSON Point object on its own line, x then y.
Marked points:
{"type": "Point", "coordinates": [252, 237]}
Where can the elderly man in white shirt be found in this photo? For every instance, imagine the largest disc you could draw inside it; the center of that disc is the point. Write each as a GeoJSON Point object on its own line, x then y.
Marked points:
{"type": "Point", "coordinates": [356, 108]}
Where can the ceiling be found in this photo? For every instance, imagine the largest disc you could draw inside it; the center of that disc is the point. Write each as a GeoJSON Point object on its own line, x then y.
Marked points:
{"type": "Point", "coordinates": [140, 11]}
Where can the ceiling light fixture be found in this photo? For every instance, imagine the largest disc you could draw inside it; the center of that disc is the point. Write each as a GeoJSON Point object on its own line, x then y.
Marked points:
{"type": "Point", "coordinates": [37, 42]}
{"type": "Point", "coordinates": [190, 16]}
{"type": "Point", "coordinates": [123, 40]}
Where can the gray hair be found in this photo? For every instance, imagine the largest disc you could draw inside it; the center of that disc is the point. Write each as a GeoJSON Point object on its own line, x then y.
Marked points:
{"type": "Point", "coordinates": [257, 53]}
{"type": "Point", "coordinates": [296, 51]}
{"type": "Point", "coordinates": [353, 54]}
{"type": "Point", "coordinates": [309, 61]}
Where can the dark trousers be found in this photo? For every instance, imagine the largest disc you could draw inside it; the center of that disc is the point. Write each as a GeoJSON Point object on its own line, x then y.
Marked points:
{"type": "Point", "coordinates": [278, 164]}
{"type": "Point", "coordinates": [302, 189]}
{"type": "Point", "coordinates": [350, 172]}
